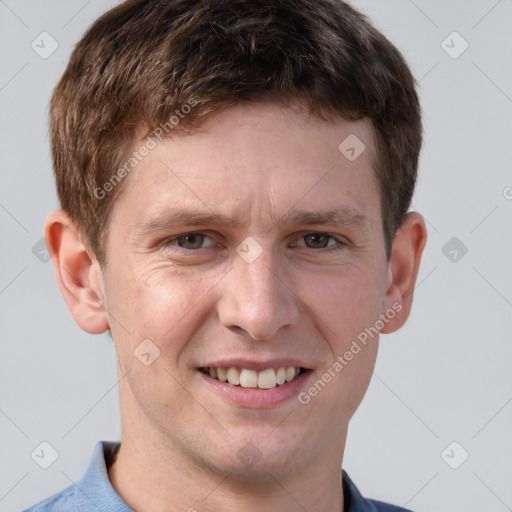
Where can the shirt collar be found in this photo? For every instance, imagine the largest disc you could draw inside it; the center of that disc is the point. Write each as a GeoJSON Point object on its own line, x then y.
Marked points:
{"type": "Point", "coordinates": [353, 500]}
{"type": "Point", "coordinates": [95, 484]}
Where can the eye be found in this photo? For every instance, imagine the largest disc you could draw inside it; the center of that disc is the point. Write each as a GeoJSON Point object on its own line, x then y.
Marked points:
{"type": "Point", "coordinates": [318, 241]}
{"type": "Point", "coordinates": [190, 241]}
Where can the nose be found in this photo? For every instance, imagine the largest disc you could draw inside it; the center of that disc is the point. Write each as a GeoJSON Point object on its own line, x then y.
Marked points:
{"type": "Point", "coordinates": [257, 298]}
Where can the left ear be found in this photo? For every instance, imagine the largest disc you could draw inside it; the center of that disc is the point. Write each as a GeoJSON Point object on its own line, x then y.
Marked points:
{"type": "Point", "coordinates": [78, 273]}
{"type": "Point", "coordinates": [403, 269]}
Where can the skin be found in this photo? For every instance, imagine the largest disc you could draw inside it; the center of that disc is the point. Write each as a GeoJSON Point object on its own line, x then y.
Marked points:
{"type": "Point", "coordinates": [256, 164]}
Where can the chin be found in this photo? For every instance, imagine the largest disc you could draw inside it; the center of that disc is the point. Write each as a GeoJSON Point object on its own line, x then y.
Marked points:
{"type": "Point", "coordinates": [254, 464]}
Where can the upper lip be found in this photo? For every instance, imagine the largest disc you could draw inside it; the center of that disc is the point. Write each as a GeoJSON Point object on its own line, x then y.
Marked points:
{"type": "Point", "coordinates": [252, 364]}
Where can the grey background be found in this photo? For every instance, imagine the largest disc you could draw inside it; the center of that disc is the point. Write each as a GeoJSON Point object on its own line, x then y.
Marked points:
{"type": "Point", "coordinates": [444, 377]}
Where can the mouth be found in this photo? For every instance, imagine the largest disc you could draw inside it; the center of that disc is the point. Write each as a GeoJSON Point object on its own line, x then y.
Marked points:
{"type": "Point", "coordinates": [265, 379]}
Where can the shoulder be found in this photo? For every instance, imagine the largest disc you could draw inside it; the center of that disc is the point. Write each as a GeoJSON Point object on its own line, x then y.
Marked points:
{"type": "Point", "coordinates": [355, 502]}
{"type": "Point", "coordinates": [94, 487]}
{"type": "Point", "coordinates": [380, 506]}
{"type": "Point", "coordinates": [59, 502]}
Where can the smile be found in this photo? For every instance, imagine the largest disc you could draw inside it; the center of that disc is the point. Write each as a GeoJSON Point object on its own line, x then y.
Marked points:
{"type": "Point", "coordinates": [248, 378]}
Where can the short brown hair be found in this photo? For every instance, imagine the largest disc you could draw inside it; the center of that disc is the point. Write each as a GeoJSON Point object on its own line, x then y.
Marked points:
{"type": "Point", "coordinates": [139, 63]}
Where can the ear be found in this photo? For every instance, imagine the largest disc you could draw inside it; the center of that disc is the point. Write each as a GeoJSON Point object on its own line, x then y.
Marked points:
{"type": "Point", "coordinates": [403, 269]}
{"type": "Point", "coordinates": [78, 272]}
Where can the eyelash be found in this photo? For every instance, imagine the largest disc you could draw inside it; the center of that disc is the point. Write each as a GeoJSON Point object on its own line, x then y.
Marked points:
{"type": "Point", "coordinates": [340, 244]}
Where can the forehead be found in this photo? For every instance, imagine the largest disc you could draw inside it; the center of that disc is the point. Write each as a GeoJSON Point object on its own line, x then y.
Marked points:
{"type": "Point", "coordinates": [254, 162]}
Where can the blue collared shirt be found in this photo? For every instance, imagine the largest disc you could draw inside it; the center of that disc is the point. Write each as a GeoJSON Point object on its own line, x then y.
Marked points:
{"type": "Point", "coordinates": [94, 492]}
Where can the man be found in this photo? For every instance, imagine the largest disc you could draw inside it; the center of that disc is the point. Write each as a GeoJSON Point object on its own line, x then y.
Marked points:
{"type": "Point", "coordinates": [234, 179]}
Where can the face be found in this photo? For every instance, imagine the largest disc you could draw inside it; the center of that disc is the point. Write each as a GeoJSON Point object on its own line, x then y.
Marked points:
{"type": "Point", "coordinates": [247, 247]}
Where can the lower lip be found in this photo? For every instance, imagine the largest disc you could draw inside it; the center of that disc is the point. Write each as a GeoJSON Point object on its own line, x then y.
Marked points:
{"type": "Point", "coordinates": [259, 398]}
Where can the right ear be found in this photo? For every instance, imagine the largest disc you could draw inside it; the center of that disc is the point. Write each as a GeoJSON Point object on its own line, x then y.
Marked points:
{"type": "Point", "coordinates": [79, 274]}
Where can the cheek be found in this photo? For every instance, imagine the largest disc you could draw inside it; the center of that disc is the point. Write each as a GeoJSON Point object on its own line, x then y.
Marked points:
{"type": "Point", "coordinates": [346, 304]}
{"type": "Point", "coordinates": [160, 304]}
{"type": "Point", "coordinates": [345, 301]}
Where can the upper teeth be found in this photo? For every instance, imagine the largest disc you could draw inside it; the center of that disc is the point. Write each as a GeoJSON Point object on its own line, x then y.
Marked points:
{"type": "Point", "coordinates": [265, 379]}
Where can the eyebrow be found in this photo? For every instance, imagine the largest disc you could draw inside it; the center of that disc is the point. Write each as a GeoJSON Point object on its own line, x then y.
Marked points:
{"type": "Point", "coordinates": [170, 218]}
{"type": "Point", "coordinates": [338, 217]}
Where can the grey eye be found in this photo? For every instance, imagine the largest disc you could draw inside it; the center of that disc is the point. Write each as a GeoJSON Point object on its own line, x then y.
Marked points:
{"type": "Point", "coordinates": [317, 240]}
{"type": "Point", "coordinates": [194, 241]}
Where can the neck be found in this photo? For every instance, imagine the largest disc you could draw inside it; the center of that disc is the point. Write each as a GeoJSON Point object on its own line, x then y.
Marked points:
{"type": "Point", "coordinates": [154, 474]}
{"type": "Point", "coordinates": [148, 479]}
